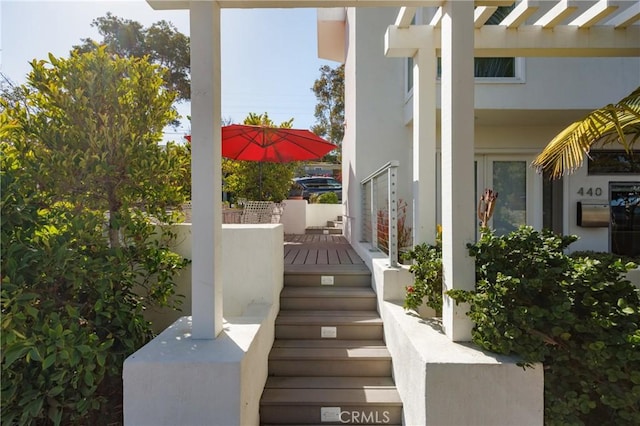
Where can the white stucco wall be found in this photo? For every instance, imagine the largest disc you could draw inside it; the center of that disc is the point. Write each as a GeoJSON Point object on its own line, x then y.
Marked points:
{"type": "Point", "coordinates": [294, 216]}
{"type": "Point", "coordinates": [319, 214]}
{"type": "Point", "coordinates": [241, 244]}
{"type": "Point", "coordinates": [563, 83]}
{"type": "Point", "coordinates": [513, 116]}
{"type": "Point", "coordinates": [374, 129]}
{"type": "Point", "coordinates": [433, 374]}
{"type": "Point", "coordinates": [178, 380]}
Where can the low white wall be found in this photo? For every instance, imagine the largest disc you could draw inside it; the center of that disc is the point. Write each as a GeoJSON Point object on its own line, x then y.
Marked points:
{"type": "Point", "coordinates": [177, 380]}
{"type": "Point", "coordinates": [294, 216]}
{"type": "Point", "coordinates": [261, 246]}
{"type": "Point", "coordinates": [319, 214]}
{"type": "Point", "coordinates": [446, 383]}
{"type": "Point", "coordinates": [298, 215]}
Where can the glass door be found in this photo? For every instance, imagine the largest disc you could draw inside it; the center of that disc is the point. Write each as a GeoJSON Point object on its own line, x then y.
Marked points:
{"type": "Point", "coordinates": [519, 191]}
{"type": "Point", "coordinates": [624, 235]}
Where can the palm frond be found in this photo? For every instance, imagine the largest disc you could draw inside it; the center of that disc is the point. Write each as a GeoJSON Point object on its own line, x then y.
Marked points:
{"type": "Point", "coordinates": [619, 123]}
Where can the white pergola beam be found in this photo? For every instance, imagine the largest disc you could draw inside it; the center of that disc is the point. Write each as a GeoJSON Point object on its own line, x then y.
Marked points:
{"type": "Point", "coordinates": [405, 16]}
{"type": "Point", "coordinates": [424, 146]}
{"type": "Point", "coordinates": [526, 41]}
{"type": "Point", "coordinates": [436, 20]}
{"type": "Point", "coordinates": [627, 17]}
{"type": "Point", "coordinates": [594, 14]}
{"type": "Point", "coordinates": [520, 13]}
{"type": "Point", "coordinates": [557, 14]}
{"type": "Point", "coordinates": [482, 14]}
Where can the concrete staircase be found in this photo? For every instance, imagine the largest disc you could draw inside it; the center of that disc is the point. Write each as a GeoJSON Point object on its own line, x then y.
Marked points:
{"type": "Point", "coordinates": [332, 227]}
{"type": "Point", "coordinates": [329, 364]}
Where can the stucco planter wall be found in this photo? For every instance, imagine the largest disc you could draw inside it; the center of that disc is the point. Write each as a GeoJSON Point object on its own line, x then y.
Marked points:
{"type": "Point", "coordinates": [178, 380]}
{"type": "Point", "coordinates": [443, 382]}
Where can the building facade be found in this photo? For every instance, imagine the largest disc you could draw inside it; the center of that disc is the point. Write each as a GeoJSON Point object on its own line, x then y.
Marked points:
{"type": "Point", "coordinates": [520, 104]}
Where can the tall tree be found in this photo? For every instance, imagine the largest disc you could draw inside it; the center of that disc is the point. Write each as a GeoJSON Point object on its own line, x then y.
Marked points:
{"type": "Point", "coordinates": [161, 42]}
{"type": "Point", "coordinates": [96, 120]}
{"type": "Point", "coordinates": [614, 123]}
{"type": "Point", "coordinates": [329, 113]}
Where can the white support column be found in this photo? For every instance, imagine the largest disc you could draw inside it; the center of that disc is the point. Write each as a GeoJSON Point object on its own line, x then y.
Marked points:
{"type": "Point", "coordinates": [424, 145]}
{"type": "Point", "coordinates": [206, 160]}
{"type": "Point", "coordinates": [458, 204]}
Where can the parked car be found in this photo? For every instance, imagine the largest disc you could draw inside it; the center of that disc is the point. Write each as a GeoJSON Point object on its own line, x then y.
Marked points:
{"type": "Point", "coordinates": [310, 185]}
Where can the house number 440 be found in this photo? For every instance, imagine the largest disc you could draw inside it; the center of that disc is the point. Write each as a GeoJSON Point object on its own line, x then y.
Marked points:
{"type": "Point", "coordinates": [591, 192]}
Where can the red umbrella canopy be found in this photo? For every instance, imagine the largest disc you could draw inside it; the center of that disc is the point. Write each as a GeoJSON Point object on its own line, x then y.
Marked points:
{"type": "Point", "coordinates": [272, 144]}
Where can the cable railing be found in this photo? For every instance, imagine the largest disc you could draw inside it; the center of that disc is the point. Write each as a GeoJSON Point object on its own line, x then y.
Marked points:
{"type": "Point", "coordinates": [380, 210]}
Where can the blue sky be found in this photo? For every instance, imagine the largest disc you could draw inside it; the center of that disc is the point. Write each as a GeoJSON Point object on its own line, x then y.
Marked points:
{"type": "Point", "coordinates": [269, 56]}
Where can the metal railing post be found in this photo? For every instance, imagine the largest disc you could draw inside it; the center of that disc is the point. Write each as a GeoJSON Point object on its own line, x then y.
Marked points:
{"type": "Point", "coordinates": [374, 216]}
{"type": "Point", "coordinates": [393, 216]}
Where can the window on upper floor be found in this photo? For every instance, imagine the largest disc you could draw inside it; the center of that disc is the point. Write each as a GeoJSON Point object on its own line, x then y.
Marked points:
{"type": "Point", "coordinates": [485, 69]}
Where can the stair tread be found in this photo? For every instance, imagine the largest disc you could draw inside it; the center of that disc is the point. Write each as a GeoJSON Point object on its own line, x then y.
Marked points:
{"type": "Point", "coordinates": [328, 318]}
{"type": "Point", "coordinates": [327, 343]}
{"type": "Point", "coordinates": [334, 382]}
{"type": "Point", "coordinates": [328, 397]}
{"type": "Point", "coordinates": [330, 354]}
{"type": "Point", "coordinates": [328, 313]}
{"type": "Point", "coordinates": [327, 291]}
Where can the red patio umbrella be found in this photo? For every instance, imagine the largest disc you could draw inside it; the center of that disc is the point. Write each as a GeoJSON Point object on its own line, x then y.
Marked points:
{"type": "Point", "coordinates": [272, 144]}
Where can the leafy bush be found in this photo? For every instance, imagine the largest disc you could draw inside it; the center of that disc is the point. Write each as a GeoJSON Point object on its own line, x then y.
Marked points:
{"type": "Point", "coordinates": [71, 304]}
{"type": "Point", "coordinates": [427, 269]}
{"type": "Point", "coordinates": [80, 254]}
{"type": "Point", "coordinates": [604, 257]}
{"type": "Point", "coordinates": [327, 198]}
{"type": "Point", "coordinates": [577, 316]}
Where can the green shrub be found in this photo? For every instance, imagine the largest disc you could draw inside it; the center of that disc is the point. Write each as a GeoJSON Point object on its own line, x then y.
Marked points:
{"type": "Point", "coordinates": [71, 303]}
{"type": "Point", "coordinates": [427, 269]}
{"type": "Point", "coordinates": [577, 316]}
{"type": "Point", "coordinates": [327, 198]}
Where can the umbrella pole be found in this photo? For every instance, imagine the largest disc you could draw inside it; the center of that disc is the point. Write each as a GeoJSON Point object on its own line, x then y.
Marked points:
{"type": "Point", "coordinates": [260, 180]}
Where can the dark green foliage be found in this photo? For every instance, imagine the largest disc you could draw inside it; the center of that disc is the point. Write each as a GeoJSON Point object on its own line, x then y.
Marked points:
{"type": "Point", "coordinates": [161, 43]}
{"type": "Point", "coordinates": [83, 183]}
{"type": "Point", "coordinates": [577, 316]}
{"type": "Point", "coordinates": [427, 270]}
{"type": "Point", "coordinates": [606, 258]}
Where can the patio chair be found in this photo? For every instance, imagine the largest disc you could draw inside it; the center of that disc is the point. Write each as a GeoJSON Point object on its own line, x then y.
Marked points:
{"type": "Point", "coordinates": [261, 212]}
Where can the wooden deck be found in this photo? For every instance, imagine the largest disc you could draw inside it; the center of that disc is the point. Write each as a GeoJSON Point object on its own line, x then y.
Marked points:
{"type": "Point", "coordinates": [318, 252]}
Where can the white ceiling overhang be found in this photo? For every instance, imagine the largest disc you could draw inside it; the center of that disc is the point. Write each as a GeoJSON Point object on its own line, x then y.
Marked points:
{"type": "Point", "coordinates": [255, 4]}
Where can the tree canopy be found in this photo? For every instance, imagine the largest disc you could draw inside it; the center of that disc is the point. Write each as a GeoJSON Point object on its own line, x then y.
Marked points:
{"type": "Point", "coordinates": [162, 43]}
{"type": "Point", "coordinates": [96, 120]}
{"type": "Point", "coordinates": [329, 112]}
